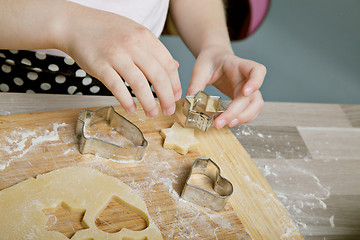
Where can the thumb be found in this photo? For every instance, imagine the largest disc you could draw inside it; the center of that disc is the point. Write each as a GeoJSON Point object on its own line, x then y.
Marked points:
{"type": "Point", "coordinates": [200, 77]}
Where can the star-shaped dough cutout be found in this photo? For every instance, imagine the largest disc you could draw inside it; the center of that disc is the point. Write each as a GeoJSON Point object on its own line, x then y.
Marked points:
{"type": "Point", "coordinates": [180, 139]}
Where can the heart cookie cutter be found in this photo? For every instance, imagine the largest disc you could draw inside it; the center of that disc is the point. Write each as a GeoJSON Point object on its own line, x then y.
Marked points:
{"type": "Point", "coordinates": [222, 188]}
{"type": "Point", "coordinates": [106, 149]}
{"type": "Point", "coordinates": [201, 110]}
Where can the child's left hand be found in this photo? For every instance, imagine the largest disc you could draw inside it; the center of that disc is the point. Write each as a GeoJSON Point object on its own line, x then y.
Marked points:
{"type": "Point", "coordinates": [239, 79]}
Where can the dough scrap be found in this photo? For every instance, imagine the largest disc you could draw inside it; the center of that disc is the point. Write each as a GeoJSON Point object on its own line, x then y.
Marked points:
{"type": "Point", "coordinates": [22, 205]}
{"type": "Point", "coordinates": [180, 139]}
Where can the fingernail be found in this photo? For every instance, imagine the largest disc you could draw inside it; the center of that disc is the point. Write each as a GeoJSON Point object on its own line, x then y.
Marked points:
{"type": "Point", "coordinates": [153, 113]}
{"type": "Point", "coordinates": [177, 63]}
{"type": "Point", "coordinates": [221, 123]}
{"type": "Point", "coordinates": [234, 122]}
{"type": "Point", "coordinates": [132, 109]}
{"type": "Point", "coordinates": [248, 91]}
{"type": "Point", "coordinates": [170, 110]}
{"type": "Point", "coordinates": [177, 96]}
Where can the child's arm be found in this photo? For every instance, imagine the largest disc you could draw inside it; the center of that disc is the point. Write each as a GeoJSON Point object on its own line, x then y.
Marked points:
{"type": "Point", "coordinates": [26, 24]}
{"type": "Point", "coordinates": [107, 46]}
{"type": "Point", "coordinates": [201, 24]}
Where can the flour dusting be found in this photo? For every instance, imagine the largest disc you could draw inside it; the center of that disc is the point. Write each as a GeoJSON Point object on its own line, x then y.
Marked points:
{"type": "Point", "coordinates": [287, 226]}
{"type": "Point", "coordinates": [186, 218]}
{"type": "Point", "coordinates": [331, 220]}
{"type": "Point", "coordinates": [20, 141]}
{"type": "Point", "coordinates": [300, 204]}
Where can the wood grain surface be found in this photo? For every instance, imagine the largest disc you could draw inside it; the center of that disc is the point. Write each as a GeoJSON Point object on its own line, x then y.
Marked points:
{"type": "Point", "coordinates": [37, 143]}
{"type": "Point", "coordinates": [320, 189]}
{"type": "Point", "coordinates": [310, 155]}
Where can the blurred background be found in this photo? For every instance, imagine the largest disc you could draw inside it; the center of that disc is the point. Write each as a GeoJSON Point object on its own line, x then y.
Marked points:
{"type": "Point", "coordinates": [311, 49]}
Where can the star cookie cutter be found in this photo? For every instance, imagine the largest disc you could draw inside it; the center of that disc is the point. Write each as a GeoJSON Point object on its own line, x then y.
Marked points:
{"type": "Point", "coordinates": [221, 187]}
{"type": "Point", "coordinates": [106, 149]}
{"type": "Point", "coordinates": [201, 110]}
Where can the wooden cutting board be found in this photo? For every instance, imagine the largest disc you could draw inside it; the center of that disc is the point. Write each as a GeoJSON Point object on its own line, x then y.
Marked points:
{"type": "Point", "coordinates": [36, 143]}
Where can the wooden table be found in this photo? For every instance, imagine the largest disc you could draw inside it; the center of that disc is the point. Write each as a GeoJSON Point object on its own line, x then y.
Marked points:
{"type": "Point", "coordinates": [309, 153]}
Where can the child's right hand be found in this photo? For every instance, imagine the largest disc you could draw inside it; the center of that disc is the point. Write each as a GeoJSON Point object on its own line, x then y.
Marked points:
{"type": "Point", "coordinates": [111, 48]}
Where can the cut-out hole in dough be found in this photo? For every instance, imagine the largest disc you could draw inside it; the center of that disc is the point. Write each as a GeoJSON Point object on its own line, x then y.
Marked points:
{"type": "Point", "coordinates": [103, 131]}
{"type": "Point", "coordinates": [118, 215]}
{"type": "Point", "coordinates": [65, 219]}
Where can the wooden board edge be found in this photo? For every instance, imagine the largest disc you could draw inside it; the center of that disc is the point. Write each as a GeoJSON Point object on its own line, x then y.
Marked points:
{"type": "Point", "coordinates": [253, 199]}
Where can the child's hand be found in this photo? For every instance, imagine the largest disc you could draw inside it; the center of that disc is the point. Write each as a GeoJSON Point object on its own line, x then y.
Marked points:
{"type": "Point", "coordinates": [238, 78]}
{"type": "Point", "coordinates": [112, 48]}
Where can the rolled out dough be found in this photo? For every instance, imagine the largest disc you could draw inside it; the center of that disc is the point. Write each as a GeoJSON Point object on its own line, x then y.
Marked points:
{"type": "Point", "coordinates": [22, 205]}
{"type": "Point", "coordinates": [180, 139]}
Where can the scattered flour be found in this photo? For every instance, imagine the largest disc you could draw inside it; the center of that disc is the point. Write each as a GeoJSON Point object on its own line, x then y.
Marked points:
{"type": "Point", "coordinates": [180, 225]}
{"type": "Point", "coordinates": [331, 220]}
{"type": "Point", "coordinates": [20, 142]}
{"type": "Point", "coordinates": [245, 131]}
{"type": "Point", "coordinates": [288, 227]}
{"type": "Point", "coordinates": [68, 151]}
{"type": "Point", "coordinates": [300, 204]}
{"type": "Point", "coordinates": [3, 113]}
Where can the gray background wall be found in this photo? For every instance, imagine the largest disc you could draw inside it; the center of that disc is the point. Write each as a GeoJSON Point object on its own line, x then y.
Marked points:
{"type": "Point", "coordinates": [311, 49]}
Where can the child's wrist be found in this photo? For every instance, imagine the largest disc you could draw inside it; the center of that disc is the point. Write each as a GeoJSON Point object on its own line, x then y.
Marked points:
{"type": "Point", "coordinates": [62, 26]}
{"type": "Point", "coordinates": [216, 41]}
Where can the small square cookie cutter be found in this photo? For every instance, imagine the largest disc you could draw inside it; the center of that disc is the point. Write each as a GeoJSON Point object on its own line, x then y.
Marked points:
{"type": "Point", "coordinates": [201, 110]}
{"type": "Point", "coordinates": [222, 187]}
{"type": "Point", "coordinates": [106, 149]}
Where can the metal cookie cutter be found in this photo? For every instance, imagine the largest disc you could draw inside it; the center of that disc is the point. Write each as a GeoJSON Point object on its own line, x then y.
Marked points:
{"type": "Point", "coordinates": [106, 149]}
{"type": "Point", "coordinates": [201, 110]}
{"type": "Point", "coordinates": [222, 188]}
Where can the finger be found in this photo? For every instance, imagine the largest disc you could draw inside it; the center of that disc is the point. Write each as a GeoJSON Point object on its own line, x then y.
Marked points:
{"type": "Point", "coordinates": [255, 79]}
{"type": "Point", "coordinates": [251, 112]}
{"type": "Point", "coordinates": [234, 109]}
{"type": "Point", "coordinates": [175, 80]}
{"type": "Point", "coordinates": [157, 75]}
{"type": "Point", "coordinates": [200, 76]}
{"type": "Point", "coordinates": [115, 84]}
{"type": "Point", "coordinates": [139, 84]}
{"type": "Point", "coordinates": [171, 66]}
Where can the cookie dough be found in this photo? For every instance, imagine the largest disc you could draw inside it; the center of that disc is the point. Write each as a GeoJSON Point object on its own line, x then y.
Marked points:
{"type": "Point", "coordinates": [23, 206]}
{"type": "Point", "coordinates": [180, 139]}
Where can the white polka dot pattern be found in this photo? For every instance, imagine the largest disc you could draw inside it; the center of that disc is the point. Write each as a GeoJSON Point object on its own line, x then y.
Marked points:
{"type": "Point", "coordinates": [10, 62]}
{"type": "Point", "coordinates": [71, 89]}
{"type": "Point", "coordinates": [45, 86]}
{"type": "Point", "coordinates": [95, 89]}
{"type": "Point", "coordinates": [38, 72]}
{"type": "Point", "coordinates": [18, 81]}
{"type": "Point", "coordinates": [53, 67]}
{"type": "Point", "coordinates": [40, 55]}
{"type": "Point", "coordinates": [69, 61]}
{"type": "Point", "coordinates": [26, 62]}
{"type": "Point", "coordinates": [6, 68]}
{"type": "Point", "coordinates": [37, 69]}
{"type": "Point", "coordinates": [86, 81]}
{"type": "Point", "coordinates": [80, 73]}
{"type": "Point", "coordinates": [32, 75]}
{"type": "Point", "coordinates": [60, 79]}
{"type": "Point", "coordinates": [4, 87]}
